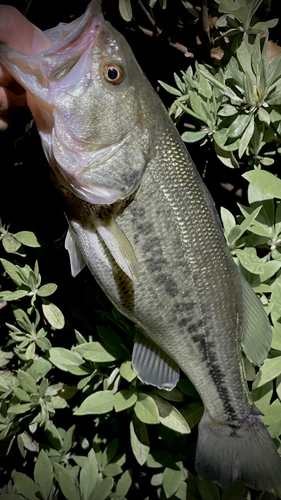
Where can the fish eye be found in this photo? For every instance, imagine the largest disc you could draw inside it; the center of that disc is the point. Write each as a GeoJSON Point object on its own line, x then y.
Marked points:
{"type": "Point", "coordinates": [113, 74]}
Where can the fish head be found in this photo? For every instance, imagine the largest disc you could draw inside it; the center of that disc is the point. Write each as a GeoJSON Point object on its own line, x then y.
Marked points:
{"type": "Point", "coordinates": [89, 99]}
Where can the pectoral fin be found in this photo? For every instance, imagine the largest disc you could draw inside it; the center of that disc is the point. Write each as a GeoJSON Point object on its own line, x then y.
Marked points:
{"type": "Point", "coordinates": [119, 247]}
{"type": "Point", "coordinates": [77, 262]}
{"type": "Point", "coordinates": [153, 366]}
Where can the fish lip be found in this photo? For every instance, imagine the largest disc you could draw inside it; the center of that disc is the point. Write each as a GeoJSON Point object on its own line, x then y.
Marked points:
{"type": "Point", "coordinates": [76, 39]}
{"type": "Point", "coordinates": [92, 13]}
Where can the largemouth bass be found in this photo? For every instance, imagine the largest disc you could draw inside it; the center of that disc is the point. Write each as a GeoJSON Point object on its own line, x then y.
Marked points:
{"type": "Point", "coordinates": [145, 225]}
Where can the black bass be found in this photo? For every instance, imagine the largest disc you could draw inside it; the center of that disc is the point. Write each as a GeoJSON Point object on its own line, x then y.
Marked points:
{"type": "Point", "coordinates": [145, 225]}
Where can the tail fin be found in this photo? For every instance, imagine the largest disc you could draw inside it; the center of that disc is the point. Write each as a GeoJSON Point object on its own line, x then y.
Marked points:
{"type": "Point", "coordinates": [225, 453]}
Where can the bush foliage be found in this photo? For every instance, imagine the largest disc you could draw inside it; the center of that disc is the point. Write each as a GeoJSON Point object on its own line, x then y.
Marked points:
{"type": "Point", "coordinates": [75, 422]}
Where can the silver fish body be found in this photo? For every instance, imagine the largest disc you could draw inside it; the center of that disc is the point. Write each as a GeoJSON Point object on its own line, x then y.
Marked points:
{"type": "Point", "coordinates": [147, 229]}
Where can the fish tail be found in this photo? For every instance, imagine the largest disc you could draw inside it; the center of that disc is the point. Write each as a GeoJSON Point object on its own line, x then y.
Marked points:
{"type": "Point", "coordinates": [246, 451]}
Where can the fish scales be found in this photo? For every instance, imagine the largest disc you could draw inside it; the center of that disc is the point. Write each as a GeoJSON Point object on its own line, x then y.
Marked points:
{"type": "Point", "coordinates": [145, 225]}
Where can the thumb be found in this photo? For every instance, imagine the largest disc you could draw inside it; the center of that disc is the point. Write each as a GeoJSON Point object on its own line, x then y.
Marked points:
{"type": "Point", "coordinates": [19, 34]}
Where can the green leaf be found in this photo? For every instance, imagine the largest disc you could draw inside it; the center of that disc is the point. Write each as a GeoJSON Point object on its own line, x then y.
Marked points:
{"type": "Point", "coordinates": [249, 218]}
{"type": "Point", "coordinates": [265, 182]}
{"type": "Point", "coordinates": [26, 486]}
{"type": "Point", "coordinates": [43, 473]}
{"type": "Point", "coordinates": [194, 136]}
{"type": "Point", "coordinates": [125, 9]}
{"type": "Point", "coordinates": [271, 418]}
{"type": "Point", "coordinates": [191, 9]}
{"type": "Point", "coordinates": [270, 268]}
{"type": "Point", "coordinates": [139, 441]}
{"type": "Point", "coordinates": [255, 195]}
{"type": "Point", "coordinates": [124, 484]}
{"type": "Point", "coordinates": [18, 294]}
{"type": "Point", "coordinates": [208, 491]}
{"type": "Point", "coordinates": [109, 452]}
{"type": "Point", "coordinates": [171, 90]}
{"type": "Point", "coordinates": [43, 343]}
{"type": "Point", "coordinates": [179, 83]}
{"type": "Point", "coordinates": [238, 126]}
{"type": "Point", "coordinates": [54, 436]}
{"type": "Point", "coordinates": [226, 157]}
{"type": "Point", "coordinates": [196, 105]}
{"type": "Point", "coordinates": [171, 417]}
{"type": "Point", "coordinates": [11, 496]}
{"type": "Point", "coordinates": [264, 116]}
{"type": "Point", "coordinates": [269, 370]}
{"type": "Point", "coordinates": [262, 396]}
{"type": "Point", "coordinates": [228, 220]}
{"type": "Point", "coordinates": [146, 409]}
{"type": "Point", "coordinates": [112, 470]}
{"type": "Point", "coordinates": [53, 314]}
{"type": "Point", "coordinates": [27, 382]}
{"type": "Point", "coordinates": [89, 475]}
{"type": "Point", "coordinates": [204, 88]}
{"type": "Point", "coordinates": [124, 399]}
{"type": "Point", "coordinates": [224, 88]}
{"type": "Point", "coordinates": [21, 394]}
{"type": "Point", "coordinates": [276, 337]}
{"type": "Point", "coordinates": [127, 372]}
{"type": "Point", "coordinates": [192, 413]}
{"type": "Point", "coordinates": [171, 480]}
{"type": "Point", "coordinates": [237, 491]}
{"type": "Point", "coordinates": [66, 483]}
{"type": "Point", "coordinates": [10, 244]}
{"type": "Point", "coordinates": [227, 110]}
{"type": "Point", "coordinates": [275, 302]}
{"type": "Point", "coordinates": [98, 403]}
{"type": "Point", "coordinates": [246, 137]}
{"type": "Point", "coordinates": [30, 351]}
{"type": "Point", "coordinates": [68, 361]}
{"type": "Point", "coordinates": [94, 351]}
{"type": "Point", "coordinates": [113, 341]}
{"type": "Point", "coordinates": [46, 290]}
{"type": "Point", "coordinates": [39, 368]}
{"type": "Point", "coordinates": [5, 357]}
{"type": "Point", "coordinates": [57, 402]}
{"type": "Point", "coordinates": [27, 238]}
{"type": "Point", "coordinates": [102, 489]}
{"type": "Point", "coordinates": [250, 261]}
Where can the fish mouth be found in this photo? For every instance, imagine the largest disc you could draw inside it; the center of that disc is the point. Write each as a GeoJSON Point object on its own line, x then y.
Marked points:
{"type": "Point", "coordinates": [70, 41]}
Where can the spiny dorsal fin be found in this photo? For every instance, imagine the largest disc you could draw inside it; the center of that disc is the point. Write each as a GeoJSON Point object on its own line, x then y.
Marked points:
{"type": "Point", "coordinates": [77, 262]}
{"type": "Point", "coordinates": [119, 247]}
{"type": "Point", "coordinates": [152, 365]}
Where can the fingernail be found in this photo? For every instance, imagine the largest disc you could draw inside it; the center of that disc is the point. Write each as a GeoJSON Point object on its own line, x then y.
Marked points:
{"type": "Point", "coordinates": [40, 41]}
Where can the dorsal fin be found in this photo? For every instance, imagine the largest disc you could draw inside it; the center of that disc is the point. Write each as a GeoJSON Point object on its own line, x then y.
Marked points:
{"type": "Point", "coordinates": [256, 333]}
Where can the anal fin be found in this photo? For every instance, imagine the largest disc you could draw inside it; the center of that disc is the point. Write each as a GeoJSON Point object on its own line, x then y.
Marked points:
{"type": "Point", "coordinates": [153, 366]}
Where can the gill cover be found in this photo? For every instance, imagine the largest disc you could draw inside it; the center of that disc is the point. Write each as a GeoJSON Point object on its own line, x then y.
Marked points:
{"type": "Point", "coordinates": [63, 84]}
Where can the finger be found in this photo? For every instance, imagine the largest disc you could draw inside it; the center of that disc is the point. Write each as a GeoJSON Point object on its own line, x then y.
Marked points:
{"type": "Point", "coordinates": [17, 32]}
{"type": "Point", "coordinates": [4, 123]}
{"type": "Point", "coordinates": [9, 101]}
{"type": "Point", "coordinates": [6, 80]}
{"type": "Point", "coordinates": [5, 77]}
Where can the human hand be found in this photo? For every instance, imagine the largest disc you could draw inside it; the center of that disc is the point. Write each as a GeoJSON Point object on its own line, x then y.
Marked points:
{"type": "Point", "coordinates": [17, 32]}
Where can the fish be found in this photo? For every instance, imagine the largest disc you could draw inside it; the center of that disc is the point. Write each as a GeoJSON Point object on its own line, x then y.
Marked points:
{"type": "Point", "coordinates": [142, 220]}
